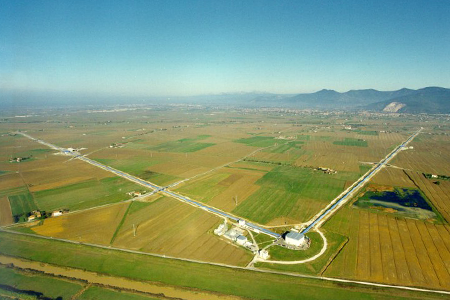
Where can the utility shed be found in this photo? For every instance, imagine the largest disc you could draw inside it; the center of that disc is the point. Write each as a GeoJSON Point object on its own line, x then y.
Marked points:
{"type": "Point", "coordinates": [294, 238]}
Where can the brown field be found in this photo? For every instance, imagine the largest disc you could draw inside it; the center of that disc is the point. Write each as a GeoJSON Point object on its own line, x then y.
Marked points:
{"type": "Point", "coordinates": [431, 154]}
{"type": "Point", "coordinates": [392, 177]}
{"type": "Point", "coordinates": [11, 180]}
{"type": "Point", "coordinates": [238, 183]}
{"type": "Point", "coordinates": [5, 212]}
{"type": "Point", "coordinates": [92, 226]}
{"type": "Point", "coordinates": [56, 170]}
{"type": "Point", "coordinates": [392, 250]}
{"type": "Point", "coordinates": [56, 184]}
{"type": "Point", "coordinates": [170, 227]}
{"type": "Point", "coordinates": [346, 158]}
{"type": "Point", "coordinates": [439, 195]}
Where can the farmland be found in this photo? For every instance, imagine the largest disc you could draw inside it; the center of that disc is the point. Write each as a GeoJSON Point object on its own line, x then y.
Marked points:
{"type": "Point", "coordinates": [273, 169]}
{"type": "Point", "coordinates": [244, 283]}
{"type": "Point", "coordinates": [33, 285]}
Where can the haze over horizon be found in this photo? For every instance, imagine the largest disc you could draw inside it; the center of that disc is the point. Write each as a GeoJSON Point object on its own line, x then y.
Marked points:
{"type": "Point", "coordinates": [175, 48]}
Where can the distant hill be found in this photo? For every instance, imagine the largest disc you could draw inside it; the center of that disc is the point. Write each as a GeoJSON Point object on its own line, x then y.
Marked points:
{"type": "Point", "coordinates": [330, 99]}
{"type": "Point", "coordinates": [431, 100]}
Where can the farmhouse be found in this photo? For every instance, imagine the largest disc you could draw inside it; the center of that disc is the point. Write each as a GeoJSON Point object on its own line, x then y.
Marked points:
{"type": "Point", "coordinates": [57, 213]}
{"type": "Point", "coordinates": [294, 238]}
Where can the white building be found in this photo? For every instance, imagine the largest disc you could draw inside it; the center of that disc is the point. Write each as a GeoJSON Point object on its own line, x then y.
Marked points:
{"type": "Point", "coordinates": [57, 213]}
{"type": "Point", "coordinates": [264, 254]}
{"type": "Point", "coordinates": [241, 240]}
{"type": "Point", "coordinates": [221, 229]}
{"type": "Point", "coordinates": [294, 238]}
{"type": "Point", "coordinates": [241, 222]}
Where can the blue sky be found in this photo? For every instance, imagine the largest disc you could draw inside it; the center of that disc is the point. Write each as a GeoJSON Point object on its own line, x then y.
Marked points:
{"type": "Point", "coordinates": [153, 48]}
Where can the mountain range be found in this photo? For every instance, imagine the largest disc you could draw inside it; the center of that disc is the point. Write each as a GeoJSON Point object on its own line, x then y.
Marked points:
{"type": "Point", "coordinates": [431, 100]}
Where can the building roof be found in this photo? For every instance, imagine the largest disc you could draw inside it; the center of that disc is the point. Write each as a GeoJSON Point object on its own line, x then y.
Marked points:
{"type": "Point", "coordinates": [241, 237]}
{"type": "Point", "coordinates": [294, 235]}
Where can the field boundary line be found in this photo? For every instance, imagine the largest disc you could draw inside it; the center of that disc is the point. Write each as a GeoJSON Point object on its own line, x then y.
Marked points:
{"type": "Point", "coordinates": [331, 279]}
{"type": "Point", "coordinates": [119, 226]}
{"type": "Point", "coordinates": [333, 257]}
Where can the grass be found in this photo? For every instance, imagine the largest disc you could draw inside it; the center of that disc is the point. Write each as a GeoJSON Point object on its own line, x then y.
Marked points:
{"type": "Point", "coordinates": [206, 189]}
{"type": "Point", "coordinates": [40, 284]}
{"type": "Point", "coordinates": [121, 223]}
{"type": "Point", "coordinates": [244, 283]}
{"type": "Point", "coordinates": [85, 194]}
{"type": "Point", "coordinates": [335, 241]}
{"type": "Point", "coordinates": [8, 295]}
{"type": "Point", "coordinates": [267, 204]}
{"type": "Point", "coordinates": [258, 141]}
{"type": "Point", "coordinates": [95, 293]}
{"type": "Point", "coordinates": [134, 166]}
{"type": "Point", "coordinates": [13, 191]}
{"type": "Point", "coordinates": [351, 142]}
{"type": "Point", "coordinates": [138, 206]}
{"type": "Point", "coordinates": [183, 145]}
{"type": "Point", "coordinates": [21, 205]}
{"type": "Point", "coordinates": [158, 178]}
{"type": "Point", "coordinates": [290, 191]}
{"type": "Point", "coordinates": [367, 132]}
{"type": "Point", "coordinates": [281, 253]}
{"type": "Point", "coordinates": [363, 169]}
{"type": "Point", "coordinates": [284, 147]}
{"type": "Point", "coordinates": [263, 239]}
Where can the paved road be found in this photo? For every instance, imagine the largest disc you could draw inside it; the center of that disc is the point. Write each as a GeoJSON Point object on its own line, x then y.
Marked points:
{"type": "Point", "coordinates": [154, 187]}
{"type": "Point", "coordinates": [347, 194]}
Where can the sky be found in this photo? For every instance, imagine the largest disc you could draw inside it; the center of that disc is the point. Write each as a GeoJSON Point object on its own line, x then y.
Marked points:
{"type": "Point", "coordinates": [180, 48]}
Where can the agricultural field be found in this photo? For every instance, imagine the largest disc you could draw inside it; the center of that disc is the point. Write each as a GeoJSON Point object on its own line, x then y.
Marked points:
{"type": "Point", "coordinates": [275, 169]}
{"type": "Point", "coordinates": [95, 292]}
{"type": "Point", "coordinates": [167, 226]}
{"type": "Point", "coordinates": [242, 283]}
{"type": "Point", "coordinates": [92, 226]}
{"type": "Point", "coordinates": [383, 248]}
{"type": "Point", "coordinates": [22, 284]}
{"type": "Point", "coordinates": [6, 217]}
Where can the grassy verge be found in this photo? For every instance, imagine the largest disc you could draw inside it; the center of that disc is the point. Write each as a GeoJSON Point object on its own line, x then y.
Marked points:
{"type": "Point", "coordinates": [224, 280]}
{"type": "Point", "coordinates": [95, 293]}
{"type": "Point", "coordinates": [281, 253]}
{"type": "Point", "coordinates": [315, 267]}
{"type": "Point", "coordinates": [35, 284]}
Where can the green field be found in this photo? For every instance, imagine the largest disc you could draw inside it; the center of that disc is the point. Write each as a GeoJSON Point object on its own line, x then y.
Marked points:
{"type": "Point", "coordinates": [206, 189]}
{"type": "Point", "coordinates": [21, 205]}
{"type": "Point", "coordinates": [8, 295]}
{"type": "Point", "coordinates": [351, 142]}
{"type": "Point", "coordinates": [345, 262]}
{"type": "Point", "coordinates": [158, 178]}
{"type": "Point", "coordinates": [292, 191]}
{"type": "Point", "coordinates": [184, 145]}
{"type": "Point", "coordinates": [258, 141]}
{"type": "Point", "coordinates": [37, 283]}
{"type": "Point", "coordinates": [85, 194]}
{"type": "Point", "coordinates": [281, 253]}
{"type": "Point", "coordinates": [316, 267]}
{"type": "Point", "coordinates": [134, 166]}
{"type": "Point", "coordinates": [367, 132]}
{"type": "Point", "coordinates": [95, 293]}
{"type": "Point", "coordinates": [225, 280]}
